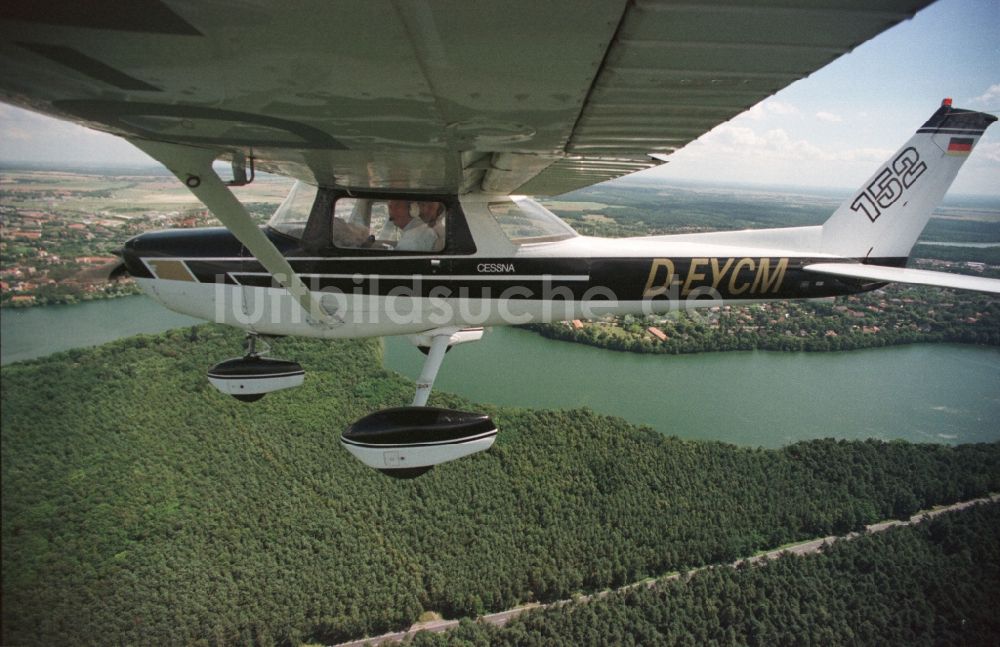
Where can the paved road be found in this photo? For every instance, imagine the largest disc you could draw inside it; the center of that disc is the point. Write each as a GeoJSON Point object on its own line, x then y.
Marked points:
{"type": "Point", "coordinates": [802, 548]}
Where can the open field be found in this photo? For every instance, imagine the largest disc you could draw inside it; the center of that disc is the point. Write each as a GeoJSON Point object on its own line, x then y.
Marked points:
{"type": "Point", "coordinates": [76, 196]}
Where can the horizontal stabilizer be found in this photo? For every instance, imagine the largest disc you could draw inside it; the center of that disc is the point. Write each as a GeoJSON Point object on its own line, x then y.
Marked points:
{"type": "Point", "coordinates": [881, 273]}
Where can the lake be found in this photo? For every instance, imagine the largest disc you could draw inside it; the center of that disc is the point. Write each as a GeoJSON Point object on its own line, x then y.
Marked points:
{"type": "Point", "coordinates": [922, 393]}
{"type": "Point", "coordinates": [27, 333]}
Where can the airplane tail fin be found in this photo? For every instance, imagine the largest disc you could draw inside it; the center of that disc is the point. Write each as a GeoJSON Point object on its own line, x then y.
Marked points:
{"type": "Point", "coordinates": [880, 223]}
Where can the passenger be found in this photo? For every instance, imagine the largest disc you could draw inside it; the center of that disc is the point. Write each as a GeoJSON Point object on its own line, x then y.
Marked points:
{"type": "Point", "coordinates": [414, 235]}
{"type": "Point", "coordinates": [432, 213]}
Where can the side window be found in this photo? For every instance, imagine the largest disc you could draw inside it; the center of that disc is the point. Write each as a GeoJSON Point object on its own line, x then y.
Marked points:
{"type": "Point", "coordinates": [399, 225]}
{"type": "Point", "coordinates": [525, 222]}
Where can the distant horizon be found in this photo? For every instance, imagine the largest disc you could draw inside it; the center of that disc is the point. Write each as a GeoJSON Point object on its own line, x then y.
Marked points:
{"type": "Point", "coordinates": [643, 180]}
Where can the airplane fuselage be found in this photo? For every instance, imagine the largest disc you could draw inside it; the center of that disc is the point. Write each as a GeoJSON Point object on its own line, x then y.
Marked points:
{"type": "Point", "coordinates": [208, 274]}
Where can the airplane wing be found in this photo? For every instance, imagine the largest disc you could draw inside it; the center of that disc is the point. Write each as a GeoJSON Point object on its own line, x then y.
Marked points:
{"type": "Point", "coordinates": [519, 96]}
{"type": "Point", "coordinates": [881, 274]}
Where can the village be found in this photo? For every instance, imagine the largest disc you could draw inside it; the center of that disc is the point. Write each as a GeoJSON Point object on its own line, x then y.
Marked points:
{"type": "Point", "coordinates": [895, 314]}
{"type": "Point", "coordinates": [47, 259]}
{"type": "Point", "coordinates": [58, 231]}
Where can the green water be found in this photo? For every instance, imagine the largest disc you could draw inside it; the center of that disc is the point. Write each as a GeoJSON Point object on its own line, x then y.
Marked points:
{"type": "Point", "coordinates": [28, 333]}
{"type": "Point", "coordinates": [924, 393]}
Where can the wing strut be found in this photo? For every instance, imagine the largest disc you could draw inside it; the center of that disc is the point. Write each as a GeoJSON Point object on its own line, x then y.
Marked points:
{"type": "Point", "coordinates": [193, 167]}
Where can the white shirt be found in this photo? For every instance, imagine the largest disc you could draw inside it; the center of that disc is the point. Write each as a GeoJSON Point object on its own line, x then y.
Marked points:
{"type": "Point", "coordinates": [438, 229]}
{"type": "Point", "coordinates": [416, 237]}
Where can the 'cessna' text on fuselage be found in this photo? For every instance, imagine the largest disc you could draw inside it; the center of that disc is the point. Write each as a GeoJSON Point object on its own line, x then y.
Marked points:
{"type": "Point", "coordinates": [499, 268]}
{"type": "Point", "coordinates": [736, 276]}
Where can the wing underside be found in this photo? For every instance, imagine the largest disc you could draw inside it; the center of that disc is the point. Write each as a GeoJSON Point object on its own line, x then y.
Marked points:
{"type": "Point", "coordinates": [507, 97]}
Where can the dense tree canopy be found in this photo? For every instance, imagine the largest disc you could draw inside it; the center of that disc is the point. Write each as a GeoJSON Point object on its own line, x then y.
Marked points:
{"type": "Point", "coordinates": [933, 584]}
{"type": "Point", "coordinates": [142, 506]}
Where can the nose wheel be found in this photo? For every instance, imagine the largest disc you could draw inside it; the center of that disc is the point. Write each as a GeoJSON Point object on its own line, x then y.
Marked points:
{"type": "Point", "coordinates": [250, 345]}
{"type": "Point", "coordinates": [251, 377]}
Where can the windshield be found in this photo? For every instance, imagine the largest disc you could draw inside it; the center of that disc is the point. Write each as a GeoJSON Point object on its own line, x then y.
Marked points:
{"type": "Point", "coordinates": [525, 222]}
{"type": "Point", "coordinates": [291, 215]}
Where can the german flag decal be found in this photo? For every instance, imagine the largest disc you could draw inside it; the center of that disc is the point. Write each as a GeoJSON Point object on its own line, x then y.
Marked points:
{"type": "Point", "coordinates": [960, 146]}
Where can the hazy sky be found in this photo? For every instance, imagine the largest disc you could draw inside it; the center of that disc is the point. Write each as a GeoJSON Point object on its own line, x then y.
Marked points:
{"type": "Point", "coordinates": [830, 130]}
{"type": "Point", "coordinates": [837, 126]}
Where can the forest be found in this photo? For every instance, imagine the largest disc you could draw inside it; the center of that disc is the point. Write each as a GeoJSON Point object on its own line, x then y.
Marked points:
{"type": "Point", "coordinates": [937, 583]}
{"type": "Point", "coordinates": [141, 506]}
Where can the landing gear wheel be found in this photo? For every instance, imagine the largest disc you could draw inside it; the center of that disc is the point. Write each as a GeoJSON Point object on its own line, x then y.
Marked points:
{"type": "Point", "coordinates": [251, 377]}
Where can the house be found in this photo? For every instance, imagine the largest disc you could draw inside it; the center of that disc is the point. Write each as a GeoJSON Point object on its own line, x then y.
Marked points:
{"type": "Point", "coordinates": [656, 332]}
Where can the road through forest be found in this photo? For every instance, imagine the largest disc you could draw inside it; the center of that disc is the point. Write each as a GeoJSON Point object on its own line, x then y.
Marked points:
{"type": "Point", "coordinates": [802, 548]}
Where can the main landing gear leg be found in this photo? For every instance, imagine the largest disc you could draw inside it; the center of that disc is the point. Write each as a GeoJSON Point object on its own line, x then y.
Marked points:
{"type": "Point", "coordinates": [406, 442]}
{"type": "Point", "coordinates": [432, 364]}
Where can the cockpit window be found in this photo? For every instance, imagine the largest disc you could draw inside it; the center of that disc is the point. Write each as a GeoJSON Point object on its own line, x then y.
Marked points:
{"type": "Point", "coordinates": [326, 220]}
{"type": "Point", "coordinates": [291, 216]}
{"type": "Point", "coordinates": [389, 224]}
{"type": "Point", "coordinates": [526, 222]}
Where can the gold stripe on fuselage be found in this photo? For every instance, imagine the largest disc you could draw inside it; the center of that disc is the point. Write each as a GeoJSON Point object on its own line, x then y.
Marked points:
{"type": "Point", "coordinates": [170, 270]}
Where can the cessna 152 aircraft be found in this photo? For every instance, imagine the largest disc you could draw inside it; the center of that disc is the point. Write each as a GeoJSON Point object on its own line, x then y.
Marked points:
{"type": "Point", "coordinates": [417, 129]}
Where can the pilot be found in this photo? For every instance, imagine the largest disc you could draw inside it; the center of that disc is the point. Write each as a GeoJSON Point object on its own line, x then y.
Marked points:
{"type": "Point", "coordinates": [432, 213]}
{"type": "Point", "coordinates": [414, 235]}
